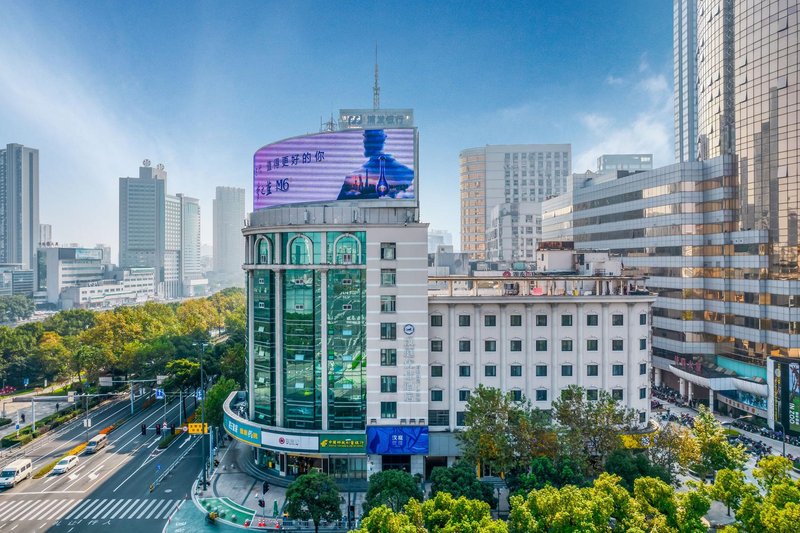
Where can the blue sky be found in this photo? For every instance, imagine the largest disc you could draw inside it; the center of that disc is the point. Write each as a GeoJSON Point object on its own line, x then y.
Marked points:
{"type": "Point", "coordinates": [199, 86]}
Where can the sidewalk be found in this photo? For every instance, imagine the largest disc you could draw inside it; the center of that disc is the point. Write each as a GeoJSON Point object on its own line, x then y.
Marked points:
{"type": "Point", "coordinates": [43, 409]}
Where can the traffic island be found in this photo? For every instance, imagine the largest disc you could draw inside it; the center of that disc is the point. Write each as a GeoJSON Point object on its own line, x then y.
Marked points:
{"type": "Point", "coordinates": [227, 510]}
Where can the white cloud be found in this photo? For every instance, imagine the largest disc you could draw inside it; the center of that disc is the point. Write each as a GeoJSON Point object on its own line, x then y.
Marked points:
{"type": "Point", "coordinates": [613, 80]}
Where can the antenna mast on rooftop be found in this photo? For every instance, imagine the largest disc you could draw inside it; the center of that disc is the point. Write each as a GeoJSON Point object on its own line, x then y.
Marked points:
{"type": "Point", "coordinates": [376, 89]}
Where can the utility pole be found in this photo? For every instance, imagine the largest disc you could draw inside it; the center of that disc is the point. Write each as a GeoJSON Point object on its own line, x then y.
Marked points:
{"type": "Point", "coordinates": [203, 411]}
{"type": "Point", "coordinates": [86, 417]}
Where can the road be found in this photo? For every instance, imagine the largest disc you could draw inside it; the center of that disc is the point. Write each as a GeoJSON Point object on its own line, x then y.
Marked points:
{"type": "Point", "coordinates": [109, 489]}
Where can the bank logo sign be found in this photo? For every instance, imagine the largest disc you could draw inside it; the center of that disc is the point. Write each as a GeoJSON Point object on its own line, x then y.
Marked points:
{"type": "Point", "coordinates": [373, 164]}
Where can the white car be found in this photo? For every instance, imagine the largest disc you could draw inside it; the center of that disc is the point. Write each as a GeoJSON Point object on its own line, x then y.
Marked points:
{"type": "Point", "coordinates": [66, 464]}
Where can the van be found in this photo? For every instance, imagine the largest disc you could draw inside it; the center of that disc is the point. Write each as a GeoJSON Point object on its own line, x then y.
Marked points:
{"type": "Point", "coordinates": [97, 442]}
{"type": "Point", "coordinates": [15, 472]}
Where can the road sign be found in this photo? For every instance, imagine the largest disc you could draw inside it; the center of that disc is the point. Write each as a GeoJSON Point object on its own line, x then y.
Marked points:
{"type": "Point", "coordinates": [199, 394]}
{"type": "Point", "coordinates": [71, 396]}
{"type": "Point", "coordinates": [186, 429]}
{"type": "Point", "coordinates": [159, 394]}
{"type": "Point", "coordinates": [197, 428]}
{"type": "Point", "coordinates": [106, 381]}
{"type": "Point", "coordinates": [87, 423]}
{"type": "Point", "coordinates": [164, 425]}
{"type": "Point", "coordinates": [26, 381]}
{"type": "Point", "coordinates": [17, 426]}
{"type": "Point", "coordinates": [158, 467]}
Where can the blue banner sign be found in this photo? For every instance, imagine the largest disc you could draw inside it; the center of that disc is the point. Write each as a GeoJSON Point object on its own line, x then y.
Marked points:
{"type": "Point", "coordinates": [248, 433]}
{"type": "Point", "coordinates": [397, 440]}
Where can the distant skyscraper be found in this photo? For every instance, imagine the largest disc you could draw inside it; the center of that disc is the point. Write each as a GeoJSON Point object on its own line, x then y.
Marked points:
{"type": "Point", "coordinates": [19, 205]}
{"type": "Point", "coordinates": [684, 28]}
{"type": "Point", "coordinates": [438, 237]}
{"type": "Point", "coordinates": [494, 175]}
{"type": "Point", "coordinates": [191, 272]}
{"type": "Point", "coordinates": [228, 222]}
{"type": "Point", "coordinates": [45, 233]}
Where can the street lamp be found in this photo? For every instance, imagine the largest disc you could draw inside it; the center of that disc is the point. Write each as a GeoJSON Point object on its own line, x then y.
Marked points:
{"type": "Point", "coordinates": [203, 409]}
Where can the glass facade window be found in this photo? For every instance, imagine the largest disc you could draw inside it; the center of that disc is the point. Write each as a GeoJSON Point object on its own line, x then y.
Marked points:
{"type": "Point", "coordinates": [490, 345]}
{"type": "Point", "coordinates": [566, 345]}
{"type": "Point", "coordinates": [541, 345]}
{"type": "Point", "coordinates": [436, 345]}
{"type": "Point", "coordinates": [643, 393]}
{"type": "Point", "coordinates": [591, 395]}
{"type": "Point", "coordinates": [464, 346]}
{"type": "Point", "coordinates": [490, 321]}
{"type": "Point", "coordinates": [490, 371]}
{"type": "Point", "coordinates": [617, 370]}
{"type": "Point", "coordinates": [541, 320]}
{"type": "Point", "coordinates": [264, 249]}
{"type": "Point", "coordinates": [463, 395]}
{"type": "Point", "coordinates": [642, 344]}
{"type": "Point", "coordinates": [388, 251]}
{"type": "Point", "coordinates": [541, 371]}
{"type": "Point", "coordinates": [642, 369]}
{"type": "Point", "coordinates": [643, 319]}
{"type": "Point", "coordinates": [566, 320]}
{"type": "Point", "coordinates": [617, 394]}
{"type": "Point", "coordinates": [591, 345]}
{"type": "Point", "coordinates": [388, 277]}
{"type": "Point", "coordinates": [436, 395]}
{"type": "Point", "coordinates": [439, 417]}
{"type": "Point", "coordinates": [591, 320]}
{"type": "Point", "coordinates": [388, 383]}
{"type": "Point", "coordinates": [388, 331]}
{"type": "Point", "coordinates": [516, 345]}
{"type": "Point", "coordinates": [516, 395]}
{"type": "Point", "coordinates": [616, 345]}
{"type": "Point", "coordinates": [388, 303]}
{"type": "Point", "coordinates": [463, 320]}
{"type": "Point", "coordinates": [516, 320]}
{"type": "Point", "coordinates": [516, 371]}
{"type": "Point", "coordinates": [566, 370]}
{"type": "Point", "coordinates": [461, 416]}
{"type": "Point", "coordinates": [592, 370]}
{"type": "Point", "coordinates": [617, 320]}
{"type": "Point", "coordinates": [541, 395]}
{"type": "Point", "coordinates": [436, 371]}
{"type": "Point", "coordinates": [388, 409]}
{"type": "Point", "coordinates": [436, 321]}
{"type": "Point", "coordinates": [264, 379]}
{"type": "Point", "coordinates": [347, 250]}
{"type": "Point", "coordinates": [388, 357]}
{"type": "Point", "coordinates": [464, 371]}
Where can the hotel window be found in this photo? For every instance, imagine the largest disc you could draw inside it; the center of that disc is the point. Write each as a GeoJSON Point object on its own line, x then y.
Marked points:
{"type": "Point", "coordinates": [566, 345]}
{"type": "Point", "coordinates": [464, 371]}
{"type": "Point", "coordinates": [516, 371]}
{"type": "Point", "coordinates": [516, 320]}
{"type": "Point", "coordinates": [566, 370]}
{"type": "Point", "coordinates": [464, 346]}
{"type": "Point", "coordinates": [388, 383]}
{"type": "Point", "coordinates": [616, 345]}
{"type": "Point", "coordinates": [541, 371]}
{"type": "Point", "coordinates": [592, 370]}
{"type": "Point", "coordinates": [617, 370]}
{"type": "Point", "coordinates": [490, 346]}
{"type": "Point", "coordinates": [617, 320]}
{"type": "Point", "coordinates": [591, 394]}
{"type": "Point", "coordinates": [388, 250]}
{"type": "Point", "coordinates": [591, 345]}
{"type": "Point", "coordinates": [642, 369]}
{"type": "Point", "coordinates": [616, 394]}
{"type": "Point", "coordinates": [642, 417]}
{"type": "Point", "coordinates": [541, 320]}
{"type": "Point", "coordinates": [490, 371]}
{"type": "Point", "coordinates": [436, 371]}
{"type": "Point", "coordinates": [463, 395]}
{"type": "Point", "coordinates": [463, 320]}
{"type": "Point", "coordinates": [516, 345]}
{"type": "Point", "coordinates": [436, 320]}
{"type": "Point", "coordinates": [436, 345]}
{"type": "Point", "coordinates": [388, 277]}
{"type": "Point", "coordinates": [460, 418]}
{"type": "Point", "coordinates": [388, 331]}
{"type": "Point", "coordinates": [541, 395]}
{"type": "Point", "coordinates": [436, 395]}
{"type": "Point", "coordinates": [541, 345]}
{"type": "Point", "coordinates": [490, 321]}
{"type": "Point", "coordinates": [388, 304]}
{"type": "Point", "coordinates": [516, 395]}
{"type": "Point", "coordinates": [643, 393]}
{"type": "Point", "coordinates": [388, 409]}
{"type": "Point", "coordinates": [642, 344]}
{"type": "Point", "coordinates": [591, 320]}
{"type": "Point", "coordinates": [388, 357]}
{"type": "Point", "coordinates": [566, 320]}
{"type": "Point", "coordinates": [643, 319]}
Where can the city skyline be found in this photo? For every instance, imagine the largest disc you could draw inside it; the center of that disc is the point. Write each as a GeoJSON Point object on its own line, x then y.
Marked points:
{"type": "Point", "coordinates": [98, 102]}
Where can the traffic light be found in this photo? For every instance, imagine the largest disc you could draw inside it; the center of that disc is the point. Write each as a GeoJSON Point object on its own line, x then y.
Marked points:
{"type": "Point", "coordinates": [265, 487]}
{"type": "Point", "coordinates": [261, 502]}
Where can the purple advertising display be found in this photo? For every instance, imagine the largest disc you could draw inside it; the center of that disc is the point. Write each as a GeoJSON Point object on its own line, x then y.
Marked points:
{"type": "Point", "coordinates": [342, 165]}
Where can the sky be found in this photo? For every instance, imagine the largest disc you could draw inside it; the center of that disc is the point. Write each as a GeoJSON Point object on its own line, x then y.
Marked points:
{"type": "Point", "coordinates": [199, 86]}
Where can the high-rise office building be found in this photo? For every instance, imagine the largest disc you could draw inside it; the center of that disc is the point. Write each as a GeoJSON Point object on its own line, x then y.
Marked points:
{"type": "Point", "coordinates": [19, 199]}
{"type": "Point", "coordinates": [493, 175]}
{"type": "Point", "coordinates": [191, 272]}
{"type": "Point", "coordinates": [438, 237]}
{"type": "Point", "coordinates": [684, 28]}
{"type": "Point", "coordinates": [45, 234]}
{"type": "Point", "coordinates": [228, 222]}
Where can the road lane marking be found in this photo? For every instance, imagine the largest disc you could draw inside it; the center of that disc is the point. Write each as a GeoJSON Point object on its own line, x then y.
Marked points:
{"type": "Point", "coordinates": [15, 504]}
{"type": "Point", "coordinates": [138, 507]}
{"type": "Point", "coordinates": [19, 510]}
{"type": "Point", "coordinates": [140, 515]}
{"type": "Point", "coordinates": [184, 442]}
{"type": "Point", "coordinates": [156, 507]}
{"type": "Point", "coordinates": [60, 510]}
{"type": "Point", "coordinates": [77, 508]}
{"type": "Point", "coordinates": [131, 507]}
{"type": "Point", "coordinates": [121, 508]}
{"type": "Point", "coordinates": [100, 510]}
{"type": "Point", "coordinates": [41, 508]}
{"type": "Point", "coordinates": [85, 512]}
{"type": "Point", "coordinates": [107, 512]}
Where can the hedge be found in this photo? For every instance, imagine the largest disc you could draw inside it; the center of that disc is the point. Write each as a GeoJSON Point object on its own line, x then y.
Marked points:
{"type": "Point", "coordinates": [5, 421]}
{"type": "Point", "coordinates": [166, 440]}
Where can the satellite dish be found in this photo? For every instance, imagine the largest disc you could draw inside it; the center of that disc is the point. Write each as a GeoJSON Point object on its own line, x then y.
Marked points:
{"type": "Point", "coordinates": [146, 163]}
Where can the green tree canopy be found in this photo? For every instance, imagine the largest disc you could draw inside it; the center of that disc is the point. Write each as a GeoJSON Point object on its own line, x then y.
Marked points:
{"type": "Point", "coordinates": [630, 465]}
{"type": "Point", "coordinates": [392, 488]}
{"type": "Point", "coordinates": [314, 497]}
{"type": "Point", "coordinates": [460, 480]}
{"type": "Point", "coordinates": [715, 451]}
{"type": "Point", "coordinates": [215, 397]}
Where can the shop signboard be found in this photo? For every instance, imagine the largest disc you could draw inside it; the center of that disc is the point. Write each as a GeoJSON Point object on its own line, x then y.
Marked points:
{"type": "Point", "coordinates": [343, 443]}
{"type": "Point", "coordinates": [243, 431]}
{"type": "Point", "coordinates": [397, 440]}
{"type": "Point", "coordinates": [290, 441]}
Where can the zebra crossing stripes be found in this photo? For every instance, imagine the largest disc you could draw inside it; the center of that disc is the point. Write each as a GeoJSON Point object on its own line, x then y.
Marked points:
{"type": "Point", "coordinates": [88, 509]}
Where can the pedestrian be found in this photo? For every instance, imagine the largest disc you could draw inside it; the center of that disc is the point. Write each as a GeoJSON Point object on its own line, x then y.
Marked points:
{"type": "Point", "coordinates": [56, 406]}
{"type": "Point", "coordinates": [22, 416]}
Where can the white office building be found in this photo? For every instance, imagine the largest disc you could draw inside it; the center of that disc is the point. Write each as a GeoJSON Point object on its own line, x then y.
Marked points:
{"type": "Point", "coordinates": [229, 215]}
{"type": "Point", "coordinates": [514, 232]}
{"type": "Point", "coordinates": [19, 205]}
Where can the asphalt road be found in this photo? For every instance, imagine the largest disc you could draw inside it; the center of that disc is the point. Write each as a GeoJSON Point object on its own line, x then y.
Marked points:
{"type": "Point", "coordinates": [109, 489]}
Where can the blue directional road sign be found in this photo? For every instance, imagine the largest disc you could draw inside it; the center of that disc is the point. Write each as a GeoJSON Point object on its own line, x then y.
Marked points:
{"type": "Point", "coordinates": [158, 468]}
{"type": "Point", "coordinates": [25, 382]}
{"type": "Point", "coordinates": [199, 394]}
{"type": "Point", "coordinates": [159, 394]}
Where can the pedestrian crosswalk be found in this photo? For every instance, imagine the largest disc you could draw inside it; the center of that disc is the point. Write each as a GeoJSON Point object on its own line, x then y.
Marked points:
{"type": "Point", "coordinates": [88, 509]}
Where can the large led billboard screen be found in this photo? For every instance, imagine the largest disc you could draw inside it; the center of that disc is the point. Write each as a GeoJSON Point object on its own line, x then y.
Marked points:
{"type": "Point", "coordinates": [375, 164]}
{"type": "Point", "coordinates": [794, 398]}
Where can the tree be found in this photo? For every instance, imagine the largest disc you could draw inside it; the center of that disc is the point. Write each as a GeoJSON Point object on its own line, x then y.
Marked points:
{"type": "Point", "coordinates": [15, 308]}
{"type": "Point", "coordinates": [70, 323]}
{"type": "Point", "coordinates": [630, 465]}
{"type": "Point", "coordinates": [381, 519]}
{"type": "Point", "coordinates": [215, 397]}
{"type": "Point", "coordinates": [445, 513]}
{"type": "Point", "coordinates": [544, 471]}
{"type": "Point", "coordinates": [566, 509]}
{"type": "Point", "coordinates": [729, 488]}
{"type": "Point", "coordinates": [313, 497]}
{"type": "Point", "coordinates": [196, 315]}
{"type": "Point", "coordinates": [234, 363]}
{"type": "Point", "coordinates": [590, 430]}
{"type": "Point", "coordinates": [392, 488]}
{"type": "Point", "coordinates": [771, 470]}
{"type": "Point", "coordinates": [664, 508]}
{"type": "Point", "coordinates": [460, 480]}
{"type": "Point", "coordinates": [715, 450]}
{"type": "Point", "coordinates": [674, 448]}
{"type": "Point", "coordinates": [778, 510]}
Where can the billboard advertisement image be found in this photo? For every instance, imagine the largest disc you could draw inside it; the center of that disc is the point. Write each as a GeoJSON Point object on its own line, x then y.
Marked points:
{"type": "Point", "coordinates": [397, 440]}
{"type": "Point", "coordinates": [794, 398]}
{"type": "Point", "coordinates": [377, 164]}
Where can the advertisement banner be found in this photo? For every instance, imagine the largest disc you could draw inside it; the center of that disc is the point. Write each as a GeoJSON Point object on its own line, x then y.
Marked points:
{"type": "Point", "coordinates": [397, 440]}
{"type": "Point", "coordinates": [342, 165]}
{"type": "Point", "coordinates": [342, 443]}
{"type": "Point", "coordinates": [794, 398]}
{"type": "Point", "coordinates": [244, 432]}
{"type": "Point", "coordinates": [290, 441]}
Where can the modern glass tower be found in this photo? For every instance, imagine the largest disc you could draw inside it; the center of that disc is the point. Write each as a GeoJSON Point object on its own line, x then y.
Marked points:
{"type": "Point", "coordinates": [19, 205]}
{"type": "Point", "coordinates": [684, 28]}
